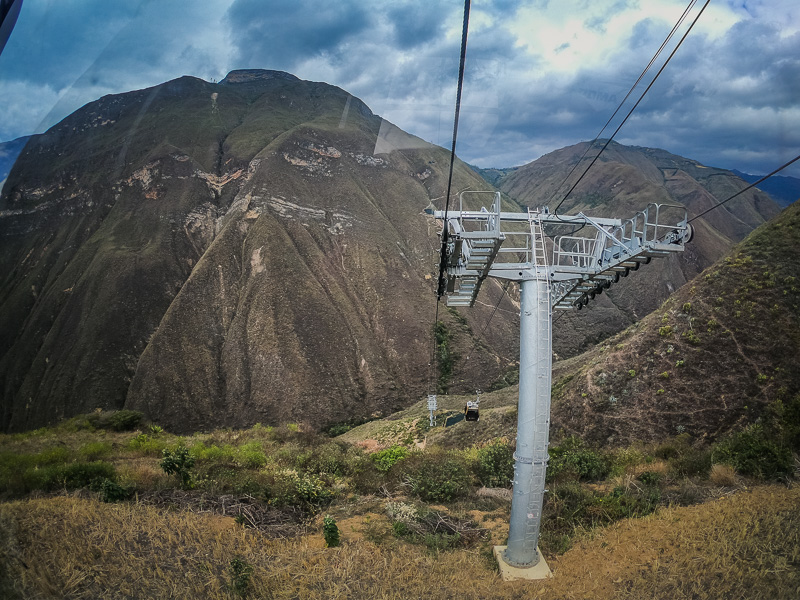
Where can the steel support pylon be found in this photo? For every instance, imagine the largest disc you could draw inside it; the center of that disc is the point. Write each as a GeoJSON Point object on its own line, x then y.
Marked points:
{"type": "Point", "coordinates": [533, 423]}
{"type": "Point", "coordinates": [582, 266]}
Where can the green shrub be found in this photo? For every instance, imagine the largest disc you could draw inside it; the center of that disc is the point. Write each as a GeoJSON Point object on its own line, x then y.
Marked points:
{"type": "Point", "coordinates": [311, 490]}
{"type": "Point", "coordinates": [438, 477]}
{"type": "Point", "coordinates": [240, 573]}
{"type": "Point", "coordinates": [51, 456]}
{"type": "Point", "coordinates": [755, 452]}
{"type": "Point", "coordinates": [571, 458]}
{"type": "Point", "coordinates": [124, 420]}
{"type": "Point", "coordinates": [338, 429]}
{"type": "Point", "coordinates": [495, 464]}
{"type": "Point", "coordinates": [251, 455]}
{"type": "Point", "coordinates": [77, 475]}
{"type": "Point", "coordinates": [111, 491]}
{"type": "Point", "coordinates": [386, 458]}
{"type": "Point", "coordinates": [303, 490]}
{"type": "Point", "coordinates": [649, 478]}
{"type": "Point", "coordinates": [691, 462]}
{"type": "Point", "coordinates": [331, 458]}
{"type": "Point", "coordinates": [146, 445]}
{"type": "Point", "coordinates": [330, 531]}
{"type": "Point", "coordinates": [571, 506]}
{"type": "Point", "coordinates": [178, 462]}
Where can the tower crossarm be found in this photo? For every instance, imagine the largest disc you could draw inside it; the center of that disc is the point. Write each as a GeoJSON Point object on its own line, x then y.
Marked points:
{"type": "Point", "coordinates": [584, 266]}
{"type": "Point", "coordinates": [585, 262]}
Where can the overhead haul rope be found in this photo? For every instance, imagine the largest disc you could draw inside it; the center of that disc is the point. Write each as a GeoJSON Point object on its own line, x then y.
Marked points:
{"type": "Point", "coordinates": [630, 112]}
{"type": "Point", "coordinates": [625, 99]}
{"type": "Point", "coordinates": [441, 283]}
{"type": "Point", "coordinates": [443, 256]}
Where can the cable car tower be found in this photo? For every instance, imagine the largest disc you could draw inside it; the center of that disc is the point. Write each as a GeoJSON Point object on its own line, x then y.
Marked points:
{"type": "Point", "coordinates": [559, 274]}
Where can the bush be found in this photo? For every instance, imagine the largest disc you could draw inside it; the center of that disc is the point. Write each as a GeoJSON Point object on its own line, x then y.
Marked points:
{"type": "Point", "coordinates": [755, 452]}
{"type": "Point", "coordinates": [94, 450]}
{"type": "Point", "coordinates": [311, 490]}
{"type": "Point", "coordinates": [303, 490]}
{"type": "Point", "coordinates": [436, 477]}
{"type": "Point", "coordinates": [385, 459]}
{"type": "Point", "coordinates": [330, 531]}
{"type": "Point", "coordinates": [146, 445]}
{"type": "Point", "coordinates": [178, 463]}
{"type": "Point", "coordinates": [691, 462]}
{"type": "Point", "coordinates": [70, 476]}
{"type": "Point", "coordinates": [571, 458]}
{"type": "Point", "coordinates": [111, 491]}
{"type": "Point", "coordinates": [251, 456]}
{"type": "Point", "coordinates": [240, 571]}
{"type": "Point", "coordinates": [495, 464]}
{"type": "Point", "coordinates": [331, 458]}
{"type": "Point", "coordinates": [124, 420]}
{"type": "Point", "coordinates": [650, 478]}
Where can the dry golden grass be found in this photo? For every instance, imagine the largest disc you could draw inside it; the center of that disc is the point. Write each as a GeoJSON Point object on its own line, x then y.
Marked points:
{"type": "Point", "coordinates": [744, 546]}
{"type": "Point", "coordinates": [723, 475]}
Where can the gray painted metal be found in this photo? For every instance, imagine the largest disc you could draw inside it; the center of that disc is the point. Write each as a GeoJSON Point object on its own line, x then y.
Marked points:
{"type": "Point", "coordinates": [533, 416]}
{"type": "Point", "coordinates": [581, 265]}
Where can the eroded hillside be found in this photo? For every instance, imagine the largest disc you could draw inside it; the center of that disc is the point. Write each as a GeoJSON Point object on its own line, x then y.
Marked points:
{"type": "Point", "coordinates": [623, 181]}
{"type": "Point", "coordinates": [224, 254]}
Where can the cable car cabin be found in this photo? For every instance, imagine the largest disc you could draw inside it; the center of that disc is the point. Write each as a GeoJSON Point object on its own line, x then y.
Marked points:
{"type": "Point", "coordinates": [471, 411]}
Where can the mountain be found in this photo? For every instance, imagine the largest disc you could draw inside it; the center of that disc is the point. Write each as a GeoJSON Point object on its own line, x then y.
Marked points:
{"type": "Point", "coordinates": [223, 254]}
{"type": "Point", "coordinates": [8, 156]}
{"type": "Point", "coordinates": [493, 175]}
{"type": "Point", "coordinates": [784, 190]}
{"type": "Point", "coordinates": [715, 355]}
{"type": "Point", "coordinates": [623, 181]}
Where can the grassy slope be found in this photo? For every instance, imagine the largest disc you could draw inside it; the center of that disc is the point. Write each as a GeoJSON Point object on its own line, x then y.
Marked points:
{"type": "Point", "coordinates": [745, 546]}
{"type": "Point", "coordinates": [713, 357]}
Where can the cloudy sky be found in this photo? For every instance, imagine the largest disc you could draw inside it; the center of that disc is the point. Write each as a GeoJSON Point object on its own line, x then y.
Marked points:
{"type": "Point", "coordinates": [539, 76]}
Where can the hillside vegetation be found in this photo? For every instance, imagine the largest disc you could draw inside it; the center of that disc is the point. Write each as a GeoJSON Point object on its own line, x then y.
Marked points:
{"type": "Point", "coordinates": [713, 358]}
{"type": "Point", "coordinates": [95, 509]}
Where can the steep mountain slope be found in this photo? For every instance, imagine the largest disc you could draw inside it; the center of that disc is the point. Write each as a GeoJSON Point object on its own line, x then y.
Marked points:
{"type": "Point", "coordinates": [623, 181]}
{"type": "Point", "coordinates": [714, 355]}
{"type": "Point", "coordinates": [222, 254]}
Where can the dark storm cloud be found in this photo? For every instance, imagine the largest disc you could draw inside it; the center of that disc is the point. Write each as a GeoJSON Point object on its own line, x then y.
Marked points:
{"type": "Point", "coordinates": [61, 37]}
{"type": "Point", "coordinates": [730, 97]}
{"type": "Point", "coordinates": [281, 33]}
{"type": "Point", "coordinates": [415, 23]}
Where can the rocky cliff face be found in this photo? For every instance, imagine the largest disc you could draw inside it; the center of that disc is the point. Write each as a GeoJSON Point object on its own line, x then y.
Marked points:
{"type": "Point", "coordinates": [623, 181]}
{"type": "Point", "coordinates": [224, 254]}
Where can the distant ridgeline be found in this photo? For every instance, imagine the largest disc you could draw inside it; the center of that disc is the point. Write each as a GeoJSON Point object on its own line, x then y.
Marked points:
{"type": "Point", "coordinates": [623, 181]}
{"type": "Point", "coordinates": [784, 190]}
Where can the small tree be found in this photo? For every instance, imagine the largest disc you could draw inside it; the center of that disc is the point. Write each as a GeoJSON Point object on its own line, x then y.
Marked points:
{"type": "Point", "coordinates": [330, 531]}
{"type": "Point", "coordinates": [178, 463]}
